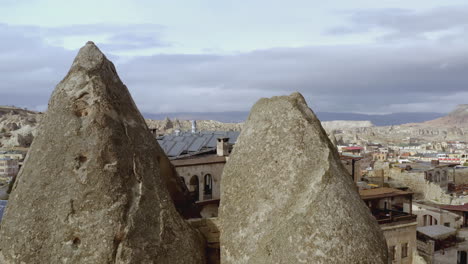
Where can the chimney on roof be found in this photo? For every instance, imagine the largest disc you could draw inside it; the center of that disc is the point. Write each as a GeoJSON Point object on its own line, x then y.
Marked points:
{"type": "Point", "coordinates": [194, 126]}
{"type": "Point", "coordinates": [222, 147]}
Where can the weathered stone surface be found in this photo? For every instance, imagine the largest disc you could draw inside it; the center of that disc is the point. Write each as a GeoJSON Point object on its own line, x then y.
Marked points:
{"type": "Point", "coordinates": [91, 190]}
{"type": "Point", "coordinates": [286, 197]}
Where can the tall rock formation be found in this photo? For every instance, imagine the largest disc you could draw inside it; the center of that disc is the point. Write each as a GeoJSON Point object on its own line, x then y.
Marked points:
{"type": "Point", "coordinates": [91, 190]}
{"type": "Point", "coordinates": [286, 197]}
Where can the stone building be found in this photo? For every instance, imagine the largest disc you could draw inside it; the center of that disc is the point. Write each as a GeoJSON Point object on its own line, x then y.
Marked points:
{"type": "Point", "coordinates": [393, 210]}
{"type": "Point", "coordinates": [352, 163]}
{"type": "Point", "coordinates": [202, 175]}
{"type": "Point", "coordinates": [460, 210]}
{"type": "Point", "coordinates": [9, 167]}
{"type": "Point", "coordinates": [355, 150]}
{"type": "Point", "coordinates": [431, 215]}
{"type": "Point", "coordinates": [441, 175]}
{"type": "Point", "coordinates": [199, 158]}
{"type": "Point", "coordinates": [434, 240]}
{"type": "Point", "coordinates": [12, 155]}
{"type": "Point", "coordinates": [380, 156]}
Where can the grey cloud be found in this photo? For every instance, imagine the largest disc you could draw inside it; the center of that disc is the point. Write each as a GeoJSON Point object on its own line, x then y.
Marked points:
{"type": "Point", "coordinates": [118, 37]}
{"type": "Point", "coordinates": [29, 68]}
{"type": "Point", "coordinates": [341, 78]}
{"type": "Point", "coordinates": [374, 78]}
{"type": "Point", "coordinates": [405, 23]}
{"type": "Point", "coordinates": [134, 41]}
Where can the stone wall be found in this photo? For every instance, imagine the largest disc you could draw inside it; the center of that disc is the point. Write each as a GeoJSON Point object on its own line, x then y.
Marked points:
{"type": "Point", "coordinates": [209, 228]}
{"type": "Point", "coordinates": [424, 189]}
{"type": "Point", "coordinates": [443, 217]}
{"type": "Point", "coordinates": [461, 176]}
{"type": "Point", "coordinates": [398, 235]}
{"type": "Point", "coordinates": [426, 250]}
{"type": "Point", "coordinates": [198, 173]}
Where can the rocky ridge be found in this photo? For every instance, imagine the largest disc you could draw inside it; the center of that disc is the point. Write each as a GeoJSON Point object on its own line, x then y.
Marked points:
{"type": "Point", "coordinates": [169, 126]}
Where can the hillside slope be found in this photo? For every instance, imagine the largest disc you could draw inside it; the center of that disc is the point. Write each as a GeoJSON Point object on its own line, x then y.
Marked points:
{"type": "Point", "coordinates": [456, 118]}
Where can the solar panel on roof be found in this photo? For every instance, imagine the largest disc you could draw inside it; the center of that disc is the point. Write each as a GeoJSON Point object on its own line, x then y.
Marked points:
{"type": "Point", "coordinates": [212, 141]}
{"type": "Point", "coordinates": [178, 138]}
{"type": "Point", "coordinates": [207, 139]}
{"type": "Point", "coordinates": [168, 145]}
{"type": "Point", "coordinates": [194, 142]}
{"type": "Point", "coordinates": [189, 140]}
{"type": "Point", "coordinates": [177, 149]}
{"type": "Point", "coordinates": [196, 145]}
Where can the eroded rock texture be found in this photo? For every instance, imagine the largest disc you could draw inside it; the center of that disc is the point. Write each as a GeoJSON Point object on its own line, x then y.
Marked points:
{"type": "Point", "coordinates": [286, 198]}
{"type": "Point", "coordinates": [91, 190]}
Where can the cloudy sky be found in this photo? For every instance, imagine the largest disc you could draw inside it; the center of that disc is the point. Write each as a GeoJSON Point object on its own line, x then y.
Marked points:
{"type": "Point", "coordinates": [361, 56]}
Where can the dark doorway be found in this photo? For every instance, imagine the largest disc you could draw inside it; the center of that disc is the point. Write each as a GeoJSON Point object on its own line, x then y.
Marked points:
{"type": "Point", "coordinates": [208, 187]}
{"type": "Point", "coordinates": [194, 187]}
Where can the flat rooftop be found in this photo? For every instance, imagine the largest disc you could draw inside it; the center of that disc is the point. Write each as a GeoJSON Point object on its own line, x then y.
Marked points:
{"type": "Point", "coordinates": [198, 160]}
{"type": "Point", "coordinates": [383, 192]}
{"type": "Point", "coordinates": [437, 231]}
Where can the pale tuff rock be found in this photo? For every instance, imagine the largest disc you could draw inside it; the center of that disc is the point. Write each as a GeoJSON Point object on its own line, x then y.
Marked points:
{"type": "Point", "coordinates": [286, 197]}
{"type": "Point", "coordinates": [345, 124]}
{"type": "Point", "coordinates": [17, 127]}
{"type": "Point", "coordinates": [168, 126]}
{"type": "Point", "coordinates": [92, 189]}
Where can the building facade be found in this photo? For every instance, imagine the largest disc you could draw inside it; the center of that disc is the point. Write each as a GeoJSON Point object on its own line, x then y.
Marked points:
{"type": "Point", "coordinates": [392, 208]}
{"type": "Point", "coordinates": [431, 215]}
{"type": "Point", "coordinates": [9, 167]}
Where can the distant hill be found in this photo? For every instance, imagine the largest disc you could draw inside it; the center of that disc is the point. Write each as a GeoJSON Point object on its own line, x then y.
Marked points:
{"type": "Point", "coordinates": [456, 118]}
{"type": "Point", "coordinates": [236, 117]}
{"type": "Point", "coordinates": [14, 110]}
{"type": "Point", "coordinates": [381, 120]}
{"type": "Point", "coordinates": [225, 117]}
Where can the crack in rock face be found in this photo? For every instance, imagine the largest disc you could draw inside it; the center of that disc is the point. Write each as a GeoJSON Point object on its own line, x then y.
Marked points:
{"type": "Point", "coordinates": [92, 189]}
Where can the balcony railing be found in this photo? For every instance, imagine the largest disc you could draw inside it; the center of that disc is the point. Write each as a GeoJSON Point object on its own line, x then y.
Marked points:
{"type": "Point", "coordinates": [389, 216]}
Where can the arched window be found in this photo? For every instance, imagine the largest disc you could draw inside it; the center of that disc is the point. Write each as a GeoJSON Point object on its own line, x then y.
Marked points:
{"type": "Point", "coordinates": [208, 186]}
{"type": "Point", "coordinates": [194, 187]}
